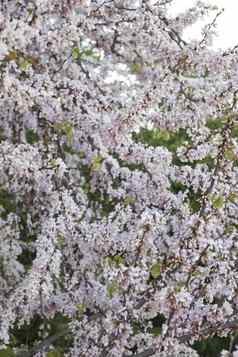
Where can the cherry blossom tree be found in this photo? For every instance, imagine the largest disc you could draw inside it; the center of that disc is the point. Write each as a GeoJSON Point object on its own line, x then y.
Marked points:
{"type": "Point", "coordinates": [119, 180]}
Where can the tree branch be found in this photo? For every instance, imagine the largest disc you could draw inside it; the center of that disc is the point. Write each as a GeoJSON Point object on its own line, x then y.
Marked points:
{"type": "Point", "coordinates": [185, 338]}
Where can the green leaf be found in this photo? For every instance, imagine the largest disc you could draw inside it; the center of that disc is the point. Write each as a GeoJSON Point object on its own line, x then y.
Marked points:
{"type": "Point", "coordinates": [114, 261]}
{"type": "Point", "coordinates": [31, 136]}
{"type": "Point", "coordinates": [229, 228]}
{"type": "Point", "coordinates": [65, 128]}
{"type": "Point", "coordinates": [128, 200]}
{"type": "Point", "coordinates": [24, 64]}
{"type": "Point", "coordinates": [81, 308]}
{"type": "Point", "coordinates": [136, 328]}
{"type": "Point", "coordinates": [60, 241]}
{"type": "Point", "coordinates": [162, 134]}
{"type": "Point", "coordinates": [112, 288]}
{"type": "Point", "coordinates": [53, 163]}
{"type": "Point", "coordinates": [75, 53]}
{"type": "Point", "coordinates": [208, 160]}
{"type": "Point", "coordinates": [157, 324]}
{"type": "Point", "coordinates": [194, 200]}
{"type": "Point", "coordinates": [217, 201]}
{"type": "Point", "coordinates": [118, 259]}
{"type": "Point", "coordinates": [177, 186]}
{"type": "Point", "coordinates": [232, 197]}
{"type": "Point", "coordinates": [69, 132]}
{"type": "Point", "coordinates": [155, 270]}
{"type": "Point", "coordinates": [89, 52]}
{"type": "Point", "coordinates": [216, 123]}
{"type": "Point", "coordinates": [135, 68]}
{"type": "Point", "coordinates": [156, 331]}
{"type": "Point", "coordinates": [162, 137]}
{"type": "Point", "coordinates": [84, 54]}
{"type": "Point", "coordinates": [234, 131]}
{"type": "Point", "coordinates": [230, 155]}
{"type": "Point", "coordinates": [96, 162]}
{"type": "Point", "coordinates": [81, 154]}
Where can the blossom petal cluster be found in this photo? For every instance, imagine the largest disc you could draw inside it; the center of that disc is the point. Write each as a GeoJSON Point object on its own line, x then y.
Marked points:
{"type": "Point", "coordinates": [118, 179]}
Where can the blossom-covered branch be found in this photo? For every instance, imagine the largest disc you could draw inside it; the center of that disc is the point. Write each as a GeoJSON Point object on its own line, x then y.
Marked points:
{"type": "Point", "coordinates": [119, 179]}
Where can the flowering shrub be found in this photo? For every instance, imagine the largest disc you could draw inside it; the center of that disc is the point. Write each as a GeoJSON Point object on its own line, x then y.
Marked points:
{"type": "Point", "coordinates": [119, 173]}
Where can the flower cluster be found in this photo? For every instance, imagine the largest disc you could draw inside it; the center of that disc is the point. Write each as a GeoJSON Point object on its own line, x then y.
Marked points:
{"type": "Point", "coordinates": [118, 179]}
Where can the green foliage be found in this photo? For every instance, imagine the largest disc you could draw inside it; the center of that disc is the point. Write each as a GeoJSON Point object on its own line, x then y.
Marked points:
{"type": "Point", "coordinates": [60, 241]}
{"type": "Point", "coordinates": [23, 60]}
{"type": "Point", "coordinates": [162, 137]}
{"type": "Point", "coordinates": [9, 205]}
{"type": "Point", "coordinates": [216, 123]}
{"type": "Point", "coordinates": [135, 68]}
{"type": "Point", "coordinates": [24, 64]}
{"type": "Point", "coordinates": [31, 136]}
{"type": "Point", "coordinates": [81, 309]}
{"type": "Point", "coordinates": [155, 270]}
{"type": "Point", "coordinates": [27, 334]}
{"type": "Point", "coordinates": [172, 141]}
{"type": "Point", "coordinates": [194, 198]}
{"type": "Point", "coordinates": [89, 53]}
{"type": "Point", "coordinates": [99, 201]}
{"type": "Point", "coordinates": [102, 201]}
{"type": "Point", "coordinates": [165, 138]}
{"type": "Point", "coordinates": [230, 155]}
{"type": "Point", "coordinates": [68, 149]}
{"type": "Point", "coordinates": [57, 325]}
{"type": "Point", "coordinates": [54, 353]}
{"type": "Point", "coordinates": [136, 327]}
{"type": "Point", "coordinates": [128, 200]}
{"type": "Point", "coordinates": [7, 352]}
{"type": "Point", "coordinates": [177, 186]}
{"type": "Point", "coordinates": [232, 197]}
{"type": "Point", "coordinates": [208, 160]}
{"type": "Point", "coordinates": [212, 346]}
{"type": "Point", "coordinates": [85, 54]}
{"type": "Point", "coordinates": [217, 201]}
{"type": "Point", "coordinates": [112, 288]}
{"type": "Point", "coordinates": [28, 255]}
{"type": "Point", "coordinates": [234, 131]}
{"type": "Point", "coordinates": [7, 201]}
{"type": "Point", "coordinates": [156, 331]}
{"type": "Point", "coordinates": [65, 128]}
{"type": "Point", "coordinates": [96, 162]}
{"type": "Point", "coordinates": [2, 136]}
{"type": "Point", "coordinates": [157, 323]}
{"type": "Point", "coordinates": [11, 56]}
{"type": "Point", "coordinates": [75, 53]}
{"type": "Point", "coordinates": [115, 260]}
{"type": "Point", "coordinates": [133, 166]}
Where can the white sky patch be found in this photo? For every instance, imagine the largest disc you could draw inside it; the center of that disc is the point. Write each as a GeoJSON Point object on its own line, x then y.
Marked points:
{"type": "Point", "coordinates": [114, 76]}
{"type": "Point", "coordinates": [122, 74]}
{"type": "Point", "coordinates": [227, 25]}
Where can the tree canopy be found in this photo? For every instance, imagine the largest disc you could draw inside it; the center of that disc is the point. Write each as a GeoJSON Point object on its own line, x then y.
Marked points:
{"type": "Point", "coordinates": [118, 181]}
